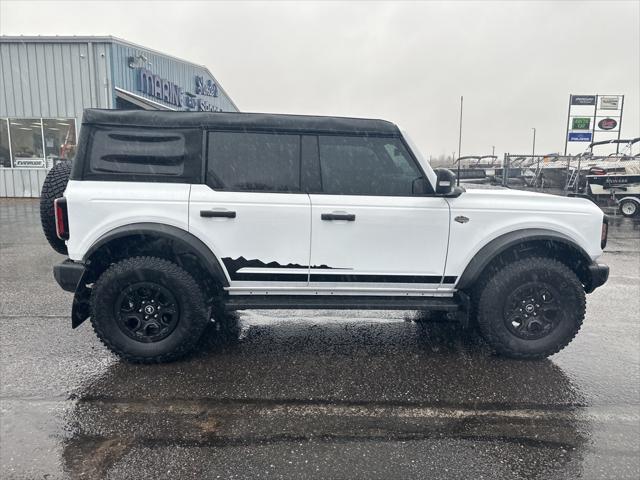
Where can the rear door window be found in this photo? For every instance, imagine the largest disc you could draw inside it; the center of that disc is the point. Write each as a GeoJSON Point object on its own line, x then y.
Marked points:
{"type": "Point", "coordinates": [254, 162]}
{"type": "Point", "coordinates": [145, 155]}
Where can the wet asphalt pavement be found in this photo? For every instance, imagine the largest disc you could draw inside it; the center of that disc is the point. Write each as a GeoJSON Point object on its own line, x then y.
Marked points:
{"type": "Point", "coordinates": [319, 394]}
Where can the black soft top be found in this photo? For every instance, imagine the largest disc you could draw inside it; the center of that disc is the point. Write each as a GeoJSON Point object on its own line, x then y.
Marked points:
{"type": "Point", "coordinates": [239, 121]}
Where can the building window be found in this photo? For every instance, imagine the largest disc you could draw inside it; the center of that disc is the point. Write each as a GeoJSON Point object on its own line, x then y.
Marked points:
{"type": "Point", "coordinates": [5, 152]}
{"type": "Point", "coordinates": [59, 139]}
{"type": "Point", "coordinates": [36, 142]}
{"type": "Point", "coordinates": [26, 142]}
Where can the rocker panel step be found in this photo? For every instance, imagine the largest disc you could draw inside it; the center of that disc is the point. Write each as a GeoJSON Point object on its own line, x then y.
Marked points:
{"type": "Point", "coordinates": [324, 302]}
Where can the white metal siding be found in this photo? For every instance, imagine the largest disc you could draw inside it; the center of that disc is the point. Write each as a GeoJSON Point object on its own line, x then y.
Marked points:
{"type": "Point", "coordinates": [21, 182]}
{"type": "Point", "coordinates": [53, 80]}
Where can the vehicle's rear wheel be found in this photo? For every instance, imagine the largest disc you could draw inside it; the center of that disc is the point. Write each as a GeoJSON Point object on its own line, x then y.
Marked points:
{"type": "Point", "coordinates": [532, 308]}
{"type": "Point", "coordinates": [148, 310]}
{"type": "Point", "coordinates": [53, 187]}
{"type": "Point", "coordinates": [629, 208]}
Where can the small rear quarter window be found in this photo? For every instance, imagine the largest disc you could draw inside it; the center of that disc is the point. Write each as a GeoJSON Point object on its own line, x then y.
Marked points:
{"type": "Point", "coordinates": [145, 155]}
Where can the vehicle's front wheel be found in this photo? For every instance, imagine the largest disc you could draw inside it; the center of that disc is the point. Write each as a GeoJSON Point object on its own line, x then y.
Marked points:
{"type": "Point", "coordinates": [531, 308]}
{"type": "Point", "coordinates": [629, 208]}
{"type": "Point", "coordinates": [148, 310]}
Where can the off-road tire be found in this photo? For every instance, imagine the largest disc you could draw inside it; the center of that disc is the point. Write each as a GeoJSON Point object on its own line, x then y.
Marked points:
{"type": "Point", "coordinates": [193, 316]}
{"type": "Point", "coordinates": [491, 302]}
{"type": "Point", "coordinates": [631, 212]}
{"type": "Point", "coordinates": [53, 187]}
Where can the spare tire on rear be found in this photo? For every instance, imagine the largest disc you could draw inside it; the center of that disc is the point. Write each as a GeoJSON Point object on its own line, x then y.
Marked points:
{"type": "Point", "coordinates": [53, 187]}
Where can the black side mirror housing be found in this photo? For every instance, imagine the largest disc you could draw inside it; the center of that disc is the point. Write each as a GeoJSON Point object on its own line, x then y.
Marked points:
{"type": "Point", "coordinates": [446, 183]}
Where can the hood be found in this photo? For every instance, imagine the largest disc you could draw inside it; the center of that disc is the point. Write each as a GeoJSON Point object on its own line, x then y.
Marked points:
{"type": "Point", "coordinates": [505, 199]}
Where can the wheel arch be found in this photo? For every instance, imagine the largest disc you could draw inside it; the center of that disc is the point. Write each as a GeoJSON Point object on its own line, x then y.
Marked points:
{"type": "Point", "coordinates": [630, 197]}
{"type": "Point", "coordinates": [143, 238]}
{"type": "Point", "coordinates": [527, 242]}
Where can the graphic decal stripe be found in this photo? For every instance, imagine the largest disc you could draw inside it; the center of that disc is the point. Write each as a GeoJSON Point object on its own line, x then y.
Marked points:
{"type": "Point", "coordinates": [376, 278]}
{"type": "Point", "coordinates": [270, 277]}
{"type": "Point", "coordinates": [241, 269]}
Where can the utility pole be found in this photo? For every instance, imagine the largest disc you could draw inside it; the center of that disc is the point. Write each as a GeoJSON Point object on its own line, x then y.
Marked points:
{"type": "Point", "coordinates": [493, 150]}
{"type": "Point", "coordinates": [460, 138]}
{"type": "Point", "coordinates": [533, 153]}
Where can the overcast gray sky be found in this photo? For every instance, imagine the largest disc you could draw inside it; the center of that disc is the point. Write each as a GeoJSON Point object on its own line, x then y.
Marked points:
{"type": "Point", "coordinates": [514, 62]}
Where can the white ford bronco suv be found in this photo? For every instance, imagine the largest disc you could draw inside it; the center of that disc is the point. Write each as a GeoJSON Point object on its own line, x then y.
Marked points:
{"type": "Point", "coordinates": [172, 219]}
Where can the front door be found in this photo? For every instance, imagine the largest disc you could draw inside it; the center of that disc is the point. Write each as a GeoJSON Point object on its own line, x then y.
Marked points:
{"type": "Point", "coordinates": [370, 233]}
{"type": "Point", "coordinates": [252, 213]}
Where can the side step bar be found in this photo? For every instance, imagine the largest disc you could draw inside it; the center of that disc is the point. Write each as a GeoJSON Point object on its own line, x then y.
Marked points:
{"type": "Point", "coordinates": [324, 302]}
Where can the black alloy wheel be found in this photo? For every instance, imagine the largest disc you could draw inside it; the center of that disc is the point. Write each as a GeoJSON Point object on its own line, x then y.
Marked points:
{"type": "Point", "coordinates": [147, 312]}
{"type": "Point", "coordinates": [532, 310]}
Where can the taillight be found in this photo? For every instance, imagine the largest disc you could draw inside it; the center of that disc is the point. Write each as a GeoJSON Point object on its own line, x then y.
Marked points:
{"type": "Point", "coordinates": [605, 232]}
{"type": "Point", "coordinates": [62, 219]}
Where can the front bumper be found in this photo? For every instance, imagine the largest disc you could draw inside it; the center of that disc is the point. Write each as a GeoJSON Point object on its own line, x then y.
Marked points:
{"type": "Point", "coordinates": [599, 274]}
{"type": "Point", "coordinates": [68, 274]}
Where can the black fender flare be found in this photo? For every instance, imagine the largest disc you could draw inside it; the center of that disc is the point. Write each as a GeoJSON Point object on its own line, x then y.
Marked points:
{"type": "Point", "coordinates": [182, 238]}
{"type": "Point", "coordinates": [508, 240]}
{"type": "Point", "coordinates": [188, 242]}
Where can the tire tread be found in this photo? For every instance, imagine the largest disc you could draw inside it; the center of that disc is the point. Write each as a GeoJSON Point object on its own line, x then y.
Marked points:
{"type": "Point", "coordinates": [499, 282]}
{"type": "Point", "coordinates": [53, 187]}
{"type": "Point", "coordinates": [200, 316]}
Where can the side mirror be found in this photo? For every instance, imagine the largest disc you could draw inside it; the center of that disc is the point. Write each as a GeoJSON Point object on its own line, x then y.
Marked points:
{"type": "Point", "coordinates": [445, 181]}
{"type": "Point", "coordinates": [420, 186]}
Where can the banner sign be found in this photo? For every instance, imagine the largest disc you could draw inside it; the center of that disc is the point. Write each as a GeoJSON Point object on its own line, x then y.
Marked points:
{"type": "Point", "coordinates": [609, 102]}
{"type": "Point", "coordinates": [583, 99]}
{"type": "Point", "coordinates": [581, 123]}
{"type": "Point", "coordinates": [28, 162]}
{"type": "Point", "coordinates": [607, 124]}
{"type": "Point", "coordinates": [580, 136]}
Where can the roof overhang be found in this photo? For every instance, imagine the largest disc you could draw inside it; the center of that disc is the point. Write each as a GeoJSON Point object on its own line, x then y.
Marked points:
{"type": "Point", "coordinates": [140, 101]}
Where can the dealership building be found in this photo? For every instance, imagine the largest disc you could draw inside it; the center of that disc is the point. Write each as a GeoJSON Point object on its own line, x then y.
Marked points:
{"type": "Point", "coordinates": [47, 82]}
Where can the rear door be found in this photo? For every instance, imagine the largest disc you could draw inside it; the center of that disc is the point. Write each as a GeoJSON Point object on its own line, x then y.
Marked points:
{"type": "Point", "coordinates": [370, 233]}
{"type": "Point", "coordinates": [252, 212]}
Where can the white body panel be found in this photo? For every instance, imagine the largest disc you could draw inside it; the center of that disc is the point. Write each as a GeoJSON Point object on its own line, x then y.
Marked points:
{"type": "Point", "coordinates": [269, 228]}
{"type": "Point", "coordinates": [493, 213]}
{"type": "Point", "coordinates": [96, 208]}
{"type": "Point", "coordinates": [391, 239]}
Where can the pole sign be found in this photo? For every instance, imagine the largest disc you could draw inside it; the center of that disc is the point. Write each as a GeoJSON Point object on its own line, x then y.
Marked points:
{"type": "Point", "coordinates": [580, 136]}
{"type": "Point", "coordinates": [590, 116]}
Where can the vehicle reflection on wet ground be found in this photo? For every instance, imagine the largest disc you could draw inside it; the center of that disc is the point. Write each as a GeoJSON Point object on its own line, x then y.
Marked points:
{"type": "Point", "coordinates": [322, 394]}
